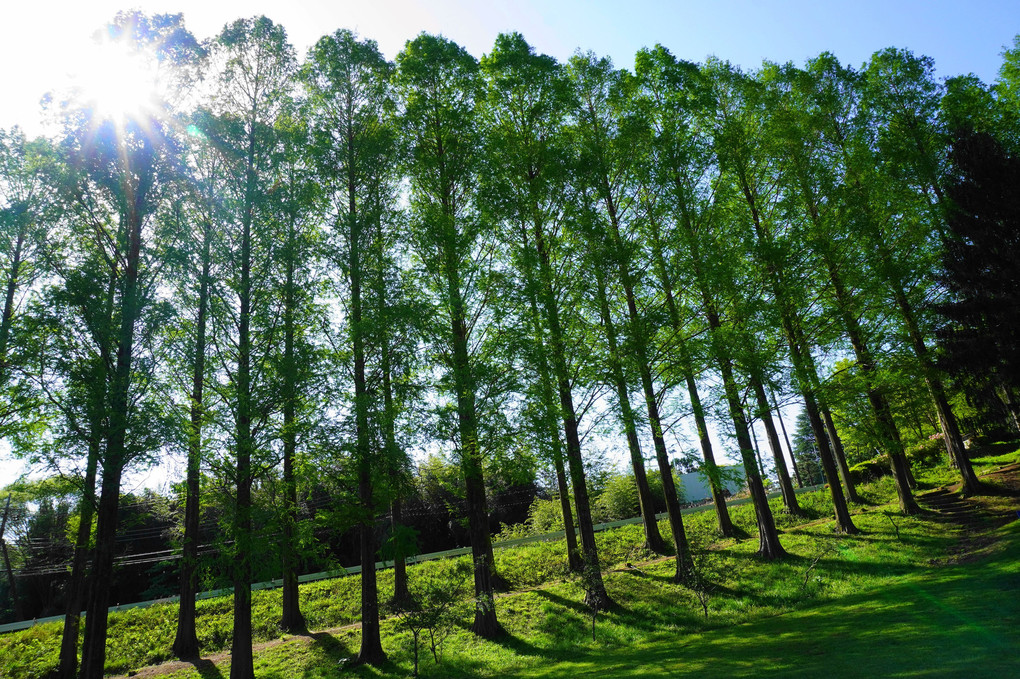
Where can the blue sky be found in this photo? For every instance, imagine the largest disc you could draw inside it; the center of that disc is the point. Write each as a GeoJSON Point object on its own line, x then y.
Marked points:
{"type": "Point", "coordinates": [39, 40]}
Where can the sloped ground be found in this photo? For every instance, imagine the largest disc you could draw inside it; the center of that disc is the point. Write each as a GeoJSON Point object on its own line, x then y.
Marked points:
{"type": "Point", "coordinates": [955, 617]}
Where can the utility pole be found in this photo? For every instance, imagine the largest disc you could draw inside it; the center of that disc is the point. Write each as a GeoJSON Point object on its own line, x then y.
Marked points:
{"type": "Point", "coordinates": [7, 560]}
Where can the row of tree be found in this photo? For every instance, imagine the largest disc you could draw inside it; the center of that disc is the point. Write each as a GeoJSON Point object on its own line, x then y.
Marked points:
{"type": "Point", "coordinates": [275, 264]}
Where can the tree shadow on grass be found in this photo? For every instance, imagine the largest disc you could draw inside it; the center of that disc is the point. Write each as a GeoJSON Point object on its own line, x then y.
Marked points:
{"type": "Point", "coordinates": [206, 668]}
{"type": "Point", "coordinates": [522, 647]}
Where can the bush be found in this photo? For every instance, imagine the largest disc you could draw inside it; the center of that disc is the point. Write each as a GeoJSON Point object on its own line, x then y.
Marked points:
{"type": "Point", "coordinates": [928, 452]}
{"type": "Point", "coordinates": [618, 501]}
{"type": "Point", "coordinates": [870, 470]}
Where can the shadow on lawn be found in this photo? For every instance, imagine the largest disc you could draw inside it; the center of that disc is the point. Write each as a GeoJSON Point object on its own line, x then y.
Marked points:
{"type": "Point", "coordinates": [206, 669]}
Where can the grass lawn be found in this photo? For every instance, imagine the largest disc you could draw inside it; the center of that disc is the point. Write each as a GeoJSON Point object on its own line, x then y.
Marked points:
{"type": "Point", "coordinates": [923, 596]}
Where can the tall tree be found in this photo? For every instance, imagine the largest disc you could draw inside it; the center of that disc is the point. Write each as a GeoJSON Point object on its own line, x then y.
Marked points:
{"type": "Point", "coordinates": [257, 63]}
{"type": "Point", "coordinates": [348, 81]}
{"type": "Point", "coordinates": [606, 144]}
{"type": "Point", "coordinates": [438, 83]}
{"type": "Point", "coordinates": [903, 96]}
{"type": "Point", "coordinates": [125, 165]}
{"type": "Point", "coordinates": [671, 97]}
{"type": "Point", "coordinates": [524, 120]}
{"type": "Point", "coordinates": [196, 254]}
{"type": "Point", "coordinates": [740, 126]}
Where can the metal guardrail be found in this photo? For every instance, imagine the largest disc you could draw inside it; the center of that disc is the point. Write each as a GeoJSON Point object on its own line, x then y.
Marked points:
{"type": "Point", "coordinates": [380, 565]}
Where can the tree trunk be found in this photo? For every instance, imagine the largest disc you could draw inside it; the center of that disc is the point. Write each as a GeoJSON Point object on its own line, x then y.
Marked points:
{"type": "Point", "coordinates": [291, 619]}
{"type": "Point", "coordinates": [550, 408]}
{"type": "Point", "coordinates": [241, 657]}
{"type": "Point", "coordinates": [186, 640]}
{"type": "Point", "coordinates": [768, 537]}
{"type": "Point", "coordinates": [7, 320]}
{"type": "Point", "coordinates": [718, 499]}
{"type": "Point", "coordinates": [838, 453]}
{"type": "Point", "coordinates": [947, 420]}
{"type": "Point", "coordinates": [676, 521]}
{"type": "Point", "coordinates": [765, 415]}
{"type": "Point", "coordinates": [653, 540]}
{"type": "Point", "coordinates": [575, 463]}
{"type": "Point", "coordinates": [94, 647]}
{"type": "Point", "coordinates": [844, 524]}
{"type": "Point", "coordinates": [786, 437]}
{"type": "Point", "coordinates": [76, 583]}
{"type": "Point", "coordinates": [887, 430]}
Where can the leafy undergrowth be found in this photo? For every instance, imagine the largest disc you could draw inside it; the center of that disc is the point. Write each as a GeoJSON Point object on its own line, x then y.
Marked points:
{"type": "Point", "coordinates": [880, 603]}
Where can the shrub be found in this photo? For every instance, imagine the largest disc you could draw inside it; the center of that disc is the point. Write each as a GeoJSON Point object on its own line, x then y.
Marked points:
{"type": "Point", "coordinates": [870, 470]}
{"type": "Point", "coordinates": [928, 452]}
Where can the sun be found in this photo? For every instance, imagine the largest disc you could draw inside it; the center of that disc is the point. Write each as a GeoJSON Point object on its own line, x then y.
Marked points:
{"type": "Point", "coordinates": [117, 82]}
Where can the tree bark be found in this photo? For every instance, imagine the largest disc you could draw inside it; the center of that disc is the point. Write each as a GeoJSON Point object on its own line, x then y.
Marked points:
{"type": "Point", "coordinates": [653, 540]}
{"type": "Point", "coordinates": [551, 409]}
{"type": "Point", "coordinates": [573, 441]}
{"type": "Point", "coordinates": [186, 640]}
{"type": "Point", "coordinates": [94, 647]}
{"type": "Point", "coordinates": [765, 415]}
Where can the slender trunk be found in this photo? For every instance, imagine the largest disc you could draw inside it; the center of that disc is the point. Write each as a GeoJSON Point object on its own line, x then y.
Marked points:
{"type": "Point", "coordinates": [76, 583]}
{"type": "Point", "coordinates": [800, 351]}
{"type": "Point", "coordinates": [485, 624]}
{"type": "Point", "coordinates": [782, 473]}
{"type": "Point", "coordinates": [76, 593]}
{"type": "Point", "coordinates": [718, 499]}
{"type": "Point", "coordinates": [786, 437]}
{"type": "Point", "coordinates": [401, 593]}
{"type": "Point", "coordinates": [94, 648]}
{"type": "Point", "coordinates": [653, 540]}
{"type": "Point", "coordinates": [768, 537]}
{"type": "Point", "coordinates": [575, 463]}
{"type": "Point", "coordinates": [844, 524]}
{"type": "Point", "coordinates": [838, 453]}
{"type": "Point", "coordinates": [887, 431]}
{"type": "Point", "coordinates": [241, 657]}
{"type": "Point", "coordinates": [371, 651]}
{"type": "Point", "coordinates": [947, 420]}
{"type": "Point", "coordinates": [676, 521]}
{"type": "Point", "coordinates": [7, 320]}
{"type": "Point", "coordinates": [291, 618]}
{"type": "Point", "coordinates": [186, 640]}
{"type": "Point", "coordinates": [550, 408]}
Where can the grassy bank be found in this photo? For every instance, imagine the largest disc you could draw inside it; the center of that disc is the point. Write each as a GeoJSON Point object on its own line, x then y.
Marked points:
{"type": "Point", "coordinates": [918, 596]}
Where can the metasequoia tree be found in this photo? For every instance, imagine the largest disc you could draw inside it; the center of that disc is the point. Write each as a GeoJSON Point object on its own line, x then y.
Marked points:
{"type": "Point", "coordinates": [125, 166]}
{"type": "Point", "coordinates": [347, 81]}
{"type": "Point", "coordinates": [826, 97]}
{"type": "Point", "coordinates": [523, 120]}
{"type": "Point", "coordinates": [257, 63]}
{"type": "Point", "coordinates": [607, 148]}
{"type": "Point", "coordinates": [438, 84]}
{"type": "Point", "coordinates": [741, 137]}
{"type": "Point", "coordinates": [678, 168]}
{"type": "Point", "coordinates": [902, 95]}
{"type": "Point", "coordinates": [201, 213]}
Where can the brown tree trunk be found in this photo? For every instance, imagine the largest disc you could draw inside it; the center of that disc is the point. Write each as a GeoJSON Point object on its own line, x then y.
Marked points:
{"type": "Point", "coordinates": [765, 415]}
{"type": "Point", "coordinates": [786, 437]}
{"type": "Point", "coordinates": [838, 454]}
{"type": "Point", "coordinates": [186, 639]}
{"type": "Point", "coordinates": [575, 463]}
{"type": "Point", "coordinates": [116, 458]}
{"type": "Point", "coordinates": [550, 407]}
{"type": "Point", "coordinates": [76, 583]}
{"type": "Point", "coordinates": [653, 540]}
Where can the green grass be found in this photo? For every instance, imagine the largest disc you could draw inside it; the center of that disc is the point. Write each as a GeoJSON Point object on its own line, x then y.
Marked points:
{"type": "Point", "coordinates": [884, 603]}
